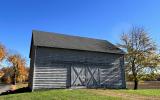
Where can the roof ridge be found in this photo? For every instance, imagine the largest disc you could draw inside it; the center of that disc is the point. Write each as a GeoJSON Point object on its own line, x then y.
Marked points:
{"type": "Point", "coordinates": [68, 35]}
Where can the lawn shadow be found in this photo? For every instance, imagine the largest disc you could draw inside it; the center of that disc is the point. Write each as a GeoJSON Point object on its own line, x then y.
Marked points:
{"type": "Point", "coordinates": [20, 90]}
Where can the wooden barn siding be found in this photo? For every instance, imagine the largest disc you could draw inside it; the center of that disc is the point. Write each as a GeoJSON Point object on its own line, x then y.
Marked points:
{"type": "Point", "coordinates": [50, 77]}
{"type": "Point", "coordinates": [31, 70]}
{"type": "Point", "coordinates": [122, 67]}
{"type": "Point", "coordinates": [111, 75]}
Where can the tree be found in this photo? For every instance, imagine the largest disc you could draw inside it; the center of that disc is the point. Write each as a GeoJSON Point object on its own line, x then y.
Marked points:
{"type": "Point", "coordinates": [140, 52]}
{"type": "Point", "coordinates": [18, 65]}
{"type": "Point", "coordinates": [6, 78]}
{"type": "Point", "coordinates": [2, 52]}
{"type": "Point", "coordinates": [1, 73]}
{"type": "Point", "coordinates": [2, 56]}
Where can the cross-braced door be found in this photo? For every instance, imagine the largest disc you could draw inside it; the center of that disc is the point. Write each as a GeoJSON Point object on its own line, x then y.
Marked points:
{"type": "Point", "coordinates": [78, 77]}
{"type": "Point", "coordinates": [88, 76]}
{"type": "Point", "coordinates": [92, 76]}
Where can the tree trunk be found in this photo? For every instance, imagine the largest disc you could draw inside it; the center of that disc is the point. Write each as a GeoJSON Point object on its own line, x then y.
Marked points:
{"type": "Point", "coordinates": [135, 84]}
{"type": "Point", "coordinates": [14, 79]}
{"type": "Point", "coordinates": [134, 75]}
{"type": "Point", "coordinates": [15, 74]}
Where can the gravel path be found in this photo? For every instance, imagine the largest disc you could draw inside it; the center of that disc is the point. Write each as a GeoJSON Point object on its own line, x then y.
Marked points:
{"type": "Point", "coordinates": [4, 87]}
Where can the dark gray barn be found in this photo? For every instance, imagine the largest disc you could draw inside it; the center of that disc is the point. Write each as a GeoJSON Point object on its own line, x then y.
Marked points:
{"type": "Point", "coordinates": [63, 61]}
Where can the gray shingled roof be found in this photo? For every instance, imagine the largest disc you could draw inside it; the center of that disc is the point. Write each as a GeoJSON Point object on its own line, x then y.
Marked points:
{"type": "Point", "coordinates": [56, 40]}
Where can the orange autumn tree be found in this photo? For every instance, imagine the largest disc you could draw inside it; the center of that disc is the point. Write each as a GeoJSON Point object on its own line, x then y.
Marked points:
{"type": "Point", "coordinates": [18, 63]}
{"type": "Point", "coordinates": [6, 78]}
{"type": "Point", "coordinates": [2, 52]}
{"type": "Point", "coordinates": [2, 56]}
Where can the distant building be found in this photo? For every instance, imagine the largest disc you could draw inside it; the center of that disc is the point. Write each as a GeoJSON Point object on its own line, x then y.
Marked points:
{"type": "Point", "coordinates": [64, 61]}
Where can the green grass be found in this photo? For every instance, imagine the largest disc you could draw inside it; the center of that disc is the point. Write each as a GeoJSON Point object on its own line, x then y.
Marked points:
{"type": "Point", "coordinates": [57, 95]}
{"type": "Point", "coordinates": [81, 94]}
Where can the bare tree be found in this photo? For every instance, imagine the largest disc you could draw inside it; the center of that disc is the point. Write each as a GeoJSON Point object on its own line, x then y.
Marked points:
{"type": "Point", "coordinates": [140, 52]}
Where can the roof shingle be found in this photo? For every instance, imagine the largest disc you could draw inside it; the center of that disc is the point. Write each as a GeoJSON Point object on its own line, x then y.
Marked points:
{"type": "Point", "coordinates": [56, 40]}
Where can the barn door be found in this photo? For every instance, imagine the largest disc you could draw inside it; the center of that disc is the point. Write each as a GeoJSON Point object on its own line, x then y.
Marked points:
{"type": "Point", "coordinates": [78, 77]}
{"type": "Point", "coordinates": [92, 76]}
{"type": "Point", "coordinates": [88, 76]}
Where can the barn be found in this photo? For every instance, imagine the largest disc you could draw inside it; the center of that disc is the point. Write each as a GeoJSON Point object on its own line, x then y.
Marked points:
{"type": "Point", "coordinates": [64, 61]}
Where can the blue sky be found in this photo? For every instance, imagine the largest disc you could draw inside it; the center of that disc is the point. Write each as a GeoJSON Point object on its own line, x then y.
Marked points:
{"type": "Point", "coordinates": [103, 19]}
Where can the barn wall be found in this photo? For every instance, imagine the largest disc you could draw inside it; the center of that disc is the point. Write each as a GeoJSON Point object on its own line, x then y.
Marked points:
{"type": "Point", "coordinates": [111, 66]}
{"type": "Point", "coordinates": [50, 76]}
{"type": "Point", "coordinates": [52, 54]}
{"type": "Point", "coordinates": [31, 70]}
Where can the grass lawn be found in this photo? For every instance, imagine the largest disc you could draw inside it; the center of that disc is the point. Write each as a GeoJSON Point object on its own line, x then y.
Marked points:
{"type": "Point", "coordinates": [86, 94]}
{"type": "Point", "coordinates": [58, 95]}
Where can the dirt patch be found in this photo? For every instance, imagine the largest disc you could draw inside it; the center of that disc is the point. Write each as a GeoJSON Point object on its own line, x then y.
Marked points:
{"type": "Point", "coordinates": [145, 85]}
{"type": "Point", "coordinates": [124, 96]}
